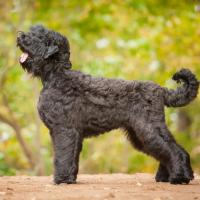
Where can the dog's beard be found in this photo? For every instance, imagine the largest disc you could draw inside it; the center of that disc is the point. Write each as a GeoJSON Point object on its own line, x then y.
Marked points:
{"type": "Point", "coordinates": [26, 65]}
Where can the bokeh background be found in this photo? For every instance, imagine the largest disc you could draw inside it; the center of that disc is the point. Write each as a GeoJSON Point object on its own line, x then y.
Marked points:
{"type": "Point", "coordinates": [129, 39]}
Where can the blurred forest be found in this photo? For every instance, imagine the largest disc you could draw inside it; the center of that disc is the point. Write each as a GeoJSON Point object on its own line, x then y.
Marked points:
{"type": "Point", "coordinates": [129, 39]}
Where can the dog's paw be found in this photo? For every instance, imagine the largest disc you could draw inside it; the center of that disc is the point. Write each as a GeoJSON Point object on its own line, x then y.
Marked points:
{"type": "Point", "coordinates": [71, 181]}
{"type": "Point", "coordinates": [68, 180]}
{"type": "Point", "coordinates": [162, 178]}
{"type": "Point", "coordinates": [180, 179]}
{"type": "Point", "coordinates": [65, 181]}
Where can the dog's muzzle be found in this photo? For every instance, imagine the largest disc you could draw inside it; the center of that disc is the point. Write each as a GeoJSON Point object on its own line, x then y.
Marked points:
{"type": "Point", "coordinates": [20, 37]}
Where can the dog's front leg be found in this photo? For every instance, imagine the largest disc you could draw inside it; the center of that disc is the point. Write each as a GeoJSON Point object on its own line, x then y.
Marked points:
{"type": "Point", "coordinates": [67, 146]}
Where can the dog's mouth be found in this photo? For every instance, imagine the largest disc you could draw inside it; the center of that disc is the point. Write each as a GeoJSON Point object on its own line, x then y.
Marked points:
{"type": "Point", "coordinates": [23, 57]}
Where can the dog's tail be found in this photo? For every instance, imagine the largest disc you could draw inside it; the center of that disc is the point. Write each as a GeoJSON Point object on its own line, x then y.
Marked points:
{"type": "Point", "coordinates": [183, 94]}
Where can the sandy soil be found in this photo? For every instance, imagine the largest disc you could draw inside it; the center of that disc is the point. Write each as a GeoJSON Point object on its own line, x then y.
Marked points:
{"type": "Point", "coordinates": [97, 187]}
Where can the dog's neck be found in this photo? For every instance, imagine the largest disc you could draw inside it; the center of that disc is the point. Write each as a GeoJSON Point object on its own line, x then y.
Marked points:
{"type": "Point", "coordinates": [50, 70]}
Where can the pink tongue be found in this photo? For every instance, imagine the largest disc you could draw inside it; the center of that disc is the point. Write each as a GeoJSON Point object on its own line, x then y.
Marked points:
{"type": "Point", "coordinates": [23, 57]}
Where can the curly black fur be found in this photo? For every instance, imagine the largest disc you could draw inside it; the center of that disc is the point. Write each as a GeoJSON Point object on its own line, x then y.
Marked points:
{"type": "Point", "coordinates": [74, 105]}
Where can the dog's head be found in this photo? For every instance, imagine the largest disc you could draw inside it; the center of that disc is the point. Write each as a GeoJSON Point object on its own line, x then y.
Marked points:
{"type": "Point", "coordinates": [43, 50]}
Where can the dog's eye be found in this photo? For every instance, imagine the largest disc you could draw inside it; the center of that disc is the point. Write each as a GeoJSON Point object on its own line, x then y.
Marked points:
{"type": "Point", "coordinates": [27, 42]}
{"type": "Point", "coordinates": [23, 35]}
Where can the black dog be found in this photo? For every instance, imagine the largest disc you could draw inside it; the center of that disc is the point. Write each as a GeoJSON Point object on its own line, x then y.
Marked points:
{"type": "Point", "coordinates": [74, 106]}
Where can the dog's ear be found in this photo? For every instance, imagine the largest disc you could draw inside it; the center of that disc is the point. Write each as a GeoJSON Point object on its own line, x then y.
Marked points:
{"type": "Point", "coordinates": [50, 51]}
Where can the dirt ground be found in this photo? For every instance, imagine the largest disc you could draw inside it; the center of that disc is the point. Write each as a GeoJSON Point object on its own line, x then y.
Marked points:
{"type": "Point", "coordinates": [97, 187]}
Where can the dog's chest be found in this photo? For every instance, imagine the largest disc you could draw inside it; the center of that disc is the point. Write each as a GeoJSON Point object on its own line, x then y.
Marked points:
{"type": "Point", "coordinates": [48, 99]}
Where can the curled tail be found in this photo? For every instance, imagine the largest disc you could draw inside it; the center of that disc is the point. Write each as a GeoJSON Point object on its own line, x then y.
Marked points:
{"type": "Point", "coordinates": [183, 94]}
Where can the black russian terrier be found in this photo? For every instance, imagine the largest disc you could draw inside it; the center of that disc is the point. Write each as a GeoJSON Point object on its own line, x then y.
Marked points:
{"type": "Point", "coordinates": [74, 105]}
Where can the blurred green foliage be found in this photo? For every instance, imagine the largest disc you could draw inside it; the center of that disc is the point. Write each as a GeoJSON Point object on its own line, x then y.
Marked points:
{"type": "Point", "coordinates": [146, 40]}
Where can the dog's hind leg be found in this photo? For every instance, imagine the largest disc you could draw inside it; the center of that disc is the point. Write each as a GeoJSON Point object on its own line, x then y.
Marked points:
{"type": "Point", "coordinates": [158, 142]}
{"type": "Point", "coordinates": [162, 174]}
{"type": "Point", "coordinates": [67, 146]}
